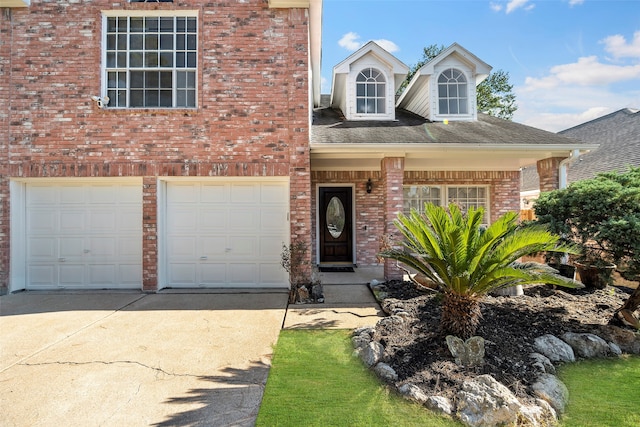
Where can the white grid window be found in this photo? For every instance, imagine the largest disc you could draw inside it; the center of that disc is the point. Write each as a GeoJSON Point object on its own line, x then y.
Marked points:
{"type": "Point", "coordinates": [151, 61]}
{"type": "Point", "coordinates": [452, 92]}
{"type": "Point", "coordinates": [415, 196]}
{"type": "Point", "coordinates": [370, 92]}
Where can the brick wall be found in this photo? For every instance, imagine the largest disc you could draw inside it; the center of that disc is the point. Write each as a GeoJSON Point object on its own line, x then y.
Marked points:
{"type": "Point", "coordinates": [5, 93]}
{"type": "Point", "coordinates": [375, 212]}
{"type": "Point", "coordinates": [252, 116]}
{"type": "Point", "coordinates": [549, 173]}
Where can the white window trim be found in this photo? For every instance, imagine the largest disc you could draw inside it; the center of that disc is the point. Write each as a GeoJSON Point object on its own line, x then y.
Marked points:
{"type": "Point", "coordinates": [471, 95]}
{"type": "Point", "coordinates": [389, 95]}
{"type": "Point", "coordinates": [143, 13]}
{"type": "Point", "coordinates": [444, 196]}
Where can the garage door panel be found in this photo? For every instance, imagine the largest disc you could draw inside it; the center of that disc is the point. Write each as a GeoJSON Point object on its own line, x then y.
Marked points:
{"type": "Point", "coordinates": [233, 220]}
{"type": "Point", "coordinates": [42, 222]}
{"type": "Point", "coordinates": [102, 221]}
{"type": "Point", "coordinates": [41, 248]}
{"type": "Point", "coordinates": [213, 218]}
{"type": "Point", "coordinates": [211, 246]}
{"type": "Point", "coordinates": [213, 274]}
{"type": "Point", "coordinates": [183, 273]}
{"type": "Point", "coordinates": [183, 220]}
{"type": "Point", "coordinates": [71, 247]}
{"type": "Point", "coordinates": [243, 274]}
{"type": "Point", "coordinates": [42, 275]}
{"type": "Point", "coordinates": [102, 275]}
{"type": "Point", "coordinates": [83, 235]}
{"type": "Point", "coordinates": [73, 195]}
{"type": "Point", "coordinates": [273, 193]}
{"type": "Point", "coordinates": [244, 220]}
{"type": "Point", "coordinates": [244, 193]}
{"type": "Point", "coordinates": [72, 275]}
{"type": "Point", "coordinates": [214, 193]}
{"type": "Point", "coordinates": [246, 246]}
{"type": "Point", "coordinates": [183, 246]}
{"type": "Point", "coordinates": [105, 247]}
{"type": "Point", "coordinates": [182, 193]}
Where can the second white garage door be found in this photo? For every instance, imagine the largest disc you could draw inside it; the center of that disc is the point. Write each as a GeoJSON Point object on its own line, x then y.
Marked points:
{"type": "Point", "coordinates": [226, 234]}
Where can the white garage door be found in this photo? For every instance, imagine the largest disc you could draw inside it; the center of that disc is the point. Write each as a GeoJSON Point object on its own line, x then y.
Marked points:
{"type": "Point", "coordinates": [226, 234]}
{"type": "Point", "coordinates": [83, 236]}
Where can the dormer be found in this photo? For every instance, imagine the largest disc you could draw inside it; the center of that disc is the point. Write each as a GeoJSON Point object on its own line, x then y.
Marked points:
{"type": "Point", "coordinates": [445, 87]}
{"type": "Point", "coordinates": [364, 84]}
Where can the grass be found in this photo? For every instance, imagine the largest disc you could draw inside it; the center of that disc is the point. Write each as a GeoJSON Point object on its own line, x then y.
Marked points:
{"type": "Point", "coordinates": [602, 393]}
{"type": "Point", "coordinates": [315, 381]}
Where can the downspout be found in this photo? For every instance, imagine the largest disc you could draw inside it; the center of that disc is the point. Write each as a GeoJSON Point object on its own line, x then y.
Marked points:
{"type": "Point", "coordinates": [562, 168]}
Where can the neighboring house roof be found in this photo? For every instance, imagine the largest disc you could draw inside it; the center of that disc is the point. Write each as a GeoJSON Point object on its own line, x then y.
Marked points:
{"type": "Point", "coordinates": [618, 136]}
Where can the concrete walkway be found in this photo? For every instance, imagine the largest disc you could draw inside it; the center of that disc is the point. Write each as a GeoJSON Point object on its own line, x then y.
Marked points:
{"type": "Point", "coordinates": [167, 359]}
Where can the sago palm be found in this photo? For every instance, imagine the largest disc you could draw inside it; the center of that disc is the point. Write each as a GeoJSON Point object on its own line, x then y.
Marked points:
{"type": "Point", "coordinates": [466, 261]}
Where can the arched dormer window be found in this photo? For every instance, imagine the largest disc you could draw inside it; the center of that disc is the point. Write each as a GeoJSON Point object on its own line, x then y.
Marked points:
{"type": "Point", "coordinates": [452, 92]}
{"type": "Point", "coordinates": [370, 92]}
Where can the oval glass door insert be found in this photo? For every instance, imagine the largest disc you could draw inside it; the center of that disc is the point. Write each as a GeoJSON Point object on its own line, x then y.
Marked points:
{"type": "Point", "coordinates": [335, 217]}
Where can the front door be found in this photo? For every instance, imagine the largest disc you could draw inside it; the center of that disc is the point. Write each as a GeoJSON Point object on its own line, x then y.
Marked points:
{"type": "Point", "coordinates": [335, 228]}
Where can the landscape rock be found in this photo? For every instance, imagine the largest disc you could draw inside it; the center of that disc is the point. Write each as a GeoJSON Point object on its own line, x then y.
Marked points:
{"type": "Point", "coordinates": [413, 392]}
{"type": "Point", "coordinates": [466, 353]}
{"type": "Point", "coordinates": [554, 348]}
{"type": "Point", "coordinates": [615, 349]}
{"type": "Point", "coordinates": [439, 405]}
{"type": "Point", "coordinates": [360, 341]}
{"type": "Point", "coordinates": [586, 345]}
{"type": "Point", "coordinates": [626, 339]}
{"type": "Point", "coordinates": [542, 363]}
{"type": "Point", "coordinates": [541, 414]}
{"type": "Point", "coordinates": [385, 372]}
{"type": "Point", "coordinates": [372, 353]}
{"type": "Point", "coordinates": [391, 320]}
{"type": "Point", "coordinates": [483, 401]}
{"type": "Point", "coordinates": [549, 388]}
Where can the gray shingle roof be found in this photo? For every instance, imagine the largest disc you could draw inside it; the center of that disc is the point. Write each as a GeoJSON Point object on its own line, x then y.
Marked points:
{"type": "Point", "coordinates": [329, 126]}
{"type": "Point", "coordinates": [617, 133]}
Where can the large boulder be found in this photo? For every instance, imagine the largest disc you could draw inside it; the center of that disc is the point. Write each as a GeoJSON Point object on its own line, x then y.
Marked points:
{"type": "Point", "coordinates": [483, 401]}
{"type": "Point", "coordinates": [372, 353]}
{"type": "Point", "coordinates": [413, 392]}
{"type": "Point", "coordinates": [542, 363]}
{"type": "Point", "coordinates": [549, 388]}
{"type": "Point", "coordinates": [587, 345]}
{"type": "Point", "coordinates": [554, 348]}
{"type": "Point", "coordinates": [386, 372]}
{"type": "Point", "coordinates": [439, 405]}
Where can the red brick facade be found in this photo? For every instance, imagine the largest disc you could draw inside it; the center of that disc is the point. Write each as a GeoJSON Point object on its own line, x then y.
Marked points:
{"type": "Point", "coordinates": [252, 117]}
{"type": "Point", "coordinates": [375, 211]}
{"type": "Point", "coordinates": [549, 173]}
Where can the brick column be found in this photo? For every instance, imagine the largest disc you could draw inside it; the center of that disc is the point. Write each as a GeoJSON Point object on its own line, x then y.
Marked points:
{"type": "Point", "coordinates": [392, 179]}
{"type": "Point", "coordinates": [548, 171]}
{"type": "Point", "coordinates": [149, 233]}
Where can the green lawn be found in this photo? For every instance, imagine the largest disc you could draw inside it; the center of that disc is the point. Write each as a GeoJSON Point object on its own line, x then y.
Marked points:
{"type": "Point", "coordinates": [602, 393]}
{"type": "Point", "coordinates": [315, 381]}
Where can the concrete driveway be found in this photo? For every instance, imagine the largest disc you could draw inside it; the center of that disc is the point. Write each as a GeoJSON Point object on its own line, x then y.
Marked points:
{"type": "Point", "coordinates": [132, 359]}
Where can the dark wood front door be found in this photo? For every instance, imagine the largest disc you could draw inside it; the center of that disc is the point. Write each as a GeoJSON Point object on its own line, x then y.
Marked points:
{"type": "Point", "coordinates": [335, 221]}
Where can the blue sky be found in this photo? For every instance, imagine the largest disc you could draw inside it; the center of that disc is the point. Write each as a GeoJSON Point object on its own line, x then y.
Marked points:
{"type": "Point", "coordinates": [570, 61]}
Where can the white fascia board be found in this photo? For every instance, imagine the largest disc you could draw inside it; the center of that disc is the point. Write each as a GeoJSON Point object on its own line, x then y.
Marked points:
{"type": "Point", "coordinates": [380, 53]}
{"type": "Point", "coordinates": [395, 149]}
{"type": "Point", "coordinates": [481, 67]}
{"type": "Point", "coordinates": [315, 49]}
{"type": "Point", "coordinates": [281, 4]}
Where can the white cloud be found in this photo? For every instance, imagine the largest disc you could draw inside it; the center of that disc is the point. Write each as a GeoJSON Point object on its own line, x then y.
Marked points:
{"type": "Point", "coordinates": [518, 4]}
{"type": "Point", "coordinates": [587, 71]}
{"type": "Point", "coordinates": [496, 7]}
{"type": "Point", "coordinates": [575, 2]}
{"type": "Point", "coordinates": [617, 46]}
{"type": "Point", "coordinates": [350, 41]}
{"type": "Point", "coordinates": [387, 45]}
